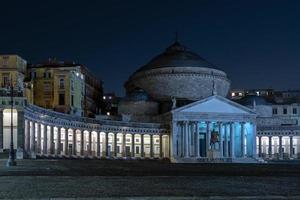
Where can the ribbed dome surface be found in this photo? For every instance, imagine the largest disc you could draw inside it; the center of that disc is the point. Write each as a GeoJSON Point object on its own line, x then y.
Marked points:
{"type": "Point", "coordinates": [176, 55]}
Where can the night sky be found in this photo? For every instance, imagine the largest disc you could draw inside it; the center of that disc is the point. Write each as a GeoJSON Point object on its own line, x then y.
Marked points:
{"type": "Point", "coordinates": [257, 43]}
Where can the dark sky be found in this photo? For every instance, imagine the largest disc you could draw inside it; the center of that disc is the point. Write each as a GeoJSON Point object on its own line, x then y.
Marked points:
{"type": "Point", "coordinates": [255, 42]}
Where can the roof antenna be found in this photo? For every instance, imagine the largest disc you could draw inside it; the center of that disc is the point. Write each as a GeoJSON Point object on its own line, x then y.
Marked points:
{"type": "Point", "coordinates": [176, 36]}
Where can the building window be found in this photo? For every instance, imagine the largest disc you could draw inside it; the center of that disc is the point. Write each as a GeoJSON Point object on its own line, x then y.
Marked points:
{"type": "Point", "coordinates": [284, 111]}
{"type": "Point", "coordinates": [137, 149]}
{"type": "Point", "coordinates": [5, 80]}
{"type": "Point", "coordinates": [61, 83]}
{"type": "Point", "coordinates": [294, 111]}
{"type": "Point", "coordinates": [33, 74]}
{"type": "Point", "coordinates": [61, 99]}
{"type": "Point", "coordinates": [72, 85]}
{"type": "Point", "coordinates": [5, 61]}
{"type": "Point", "coordinates": [274, 111]}
{"type": "Point", "coordinates": [72, 100]}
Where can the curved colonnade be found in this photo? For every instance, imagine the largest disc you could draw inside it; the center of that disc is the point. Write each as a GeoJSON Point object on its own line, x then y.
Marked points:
{"type": "Point", "coordinates": [50, 133]}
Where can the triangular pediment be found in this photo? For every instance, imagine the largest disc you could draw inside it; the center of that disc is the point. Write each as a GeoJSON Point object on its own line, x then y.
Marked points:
{"type": "Point", "coordinates": [215, 104]}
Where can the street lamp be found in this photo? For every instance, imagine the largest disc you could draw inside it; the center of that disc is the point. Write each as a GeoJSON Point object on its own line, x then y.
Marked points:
{"type": "Point", "coordinates": [11, 159]}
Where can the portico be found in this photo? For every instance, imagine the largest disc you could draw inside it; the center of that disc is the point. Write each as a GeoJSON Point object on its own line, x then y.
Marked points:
{"type": "Point", "coordinates": [213, 129]}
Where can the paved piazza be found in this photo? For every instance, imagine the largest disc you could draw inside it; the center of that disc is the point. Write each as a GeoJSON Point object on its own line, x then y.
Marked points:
{"type": "Point", "coordinates": [148, 179]}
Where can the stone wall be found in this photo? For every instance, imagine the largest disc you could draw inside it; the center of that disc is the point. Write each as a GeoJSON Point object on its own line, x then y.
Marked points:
{"type": "Point", "coordinates": [192, 83]}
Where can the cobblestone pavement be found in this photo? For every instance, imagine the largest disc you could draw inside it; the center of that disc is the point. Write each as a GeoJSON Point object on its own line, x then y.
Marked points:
{"type": "Point", "coordinates": [133, 180]}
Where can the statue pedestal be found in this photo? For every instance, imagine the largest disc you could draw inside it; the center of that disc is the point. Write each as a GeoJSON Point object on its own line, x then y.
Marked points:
{"type": "Point", "coordinates": [20, 154]}
{"type": "Point", "coordinates": [33, 155]}
{"type": "Point", "coordinates": [213, 154]}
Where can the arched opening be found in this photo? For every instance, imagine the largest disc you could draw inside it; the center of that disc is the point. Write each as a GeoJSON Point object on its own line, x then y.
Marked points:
{"type": "Point", "coordinates": [147, 146]}
{"type": "Point", "coordinates": [7, 128]}
{"type": "Point", "coordinates": [165, 146]}
{"type": "Point", "coordinates": [94, 143]}
{"type": "Point", "coordinates": [102, 144]}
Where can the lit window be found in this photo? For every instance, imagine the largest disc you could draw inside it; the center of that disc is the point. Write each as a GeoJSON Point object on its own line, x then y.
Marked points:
{"type": "Point", "coordinates": [108, 113]}
{"type": "Point", "coordinates": [61, 83]}
{"type": "Point", "coordinates": [104, 97]}
{"type": "Point", "coordinates": [257, 93]}
{"type": "Point", "coordinates": [109, 97]}
{"type": "Point", "coordinates": [240, 94]}
{"type": "Point", "coordinates": [233, 94]}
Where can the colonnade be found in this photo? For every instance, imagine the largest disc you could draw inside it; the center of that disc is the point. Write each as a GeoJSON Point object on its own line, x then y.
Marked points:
{"type": "Point", "coordinates": [44, 139]}
{"type": "Point", "coordinates": [195, 139]}
{"type": "Point", "coordinates": [271, 150]}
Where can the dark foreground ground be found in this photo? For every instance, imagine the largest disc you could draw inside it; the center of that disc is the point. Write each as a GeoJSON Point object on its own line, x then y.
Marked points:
{"type": "Point", "coordinates": [148, 180]}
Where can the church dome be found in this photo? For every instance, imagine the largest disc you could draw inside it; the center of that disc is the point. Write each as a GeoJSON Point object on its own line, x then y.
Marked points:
{"type": "Point", "coordinates": [180, 73]}
{"type": "Point", "coordinates": [176, 55]}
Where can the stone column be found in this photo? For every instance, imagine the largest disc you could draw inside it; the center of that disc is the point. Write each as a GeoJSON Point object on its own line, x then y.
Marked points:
{"type": "Point", "coordinates": [190, 136]}
{"type": "Point", "coordinates": [39, 140]}
{"type": "Point", "coordinates": [175, 142]}
{"type": "Point", "coordinates": [243, 139]}
{"type": "Point", "coordinates": [32, 138]}
{"type": "Point", "coordinates": [107, 154]}
{"type": "Point", "coordinates": [66, 141]}
{"type": "Point", "coordinates": [225, 141]}
{"type": "Point", "coordinates": [197, 144]}
{"type": "Point", "coordinates": [20, 129]}
{"type": "Point", "coordinates": [151, 146]}
{"type": "Point", "coordinates": [45, 140]}
{"type": "Point", "coordinates": [207, 137]}
{"type": "Point", "coordinates": [232, 155]}
{"type": "Point", "coordinates": [180, 139]}
{"type": "Point", "coordinates": [291, 146]}
{"type": "Point", "coordinates": [115, 144]}
{"type": "Point", "coordinates": [81, 142]}
{"type": "Point", "coordinates": [160, 146]}
{"type": "Point", "coordinates": [51, 145]}
{"type": "Point", "coordinates": [1, 130]}
{"type": "Point", "coordinates": [186, 140]}
{"type": "Point", "coordinates": [124, 145]}
{"type": "Point", "coordinates": [259, 146]}
{"type": "Point", "coordinates": [220, 139]}
{"type": "Point", "coordinates": [27, 145]}
{"type": "Point", "coordinates": [90, 144]}
{"type": "Point", "coordinates": [142, 146]}
{"type": "Point", "coordinates": [58, 145]}
{"type": "Point", "coordinates": [254, 153]}
{"type": "Point", "coordinates": [270, 147]}
{"type": "Point", "coordinates": [74, 143]}
{"type": "Point", "coordinates": [98, 144]}
{"type": "Point", "coordinates": [280, 148]}
{"type": "Point", "coordinates": [132, 145]}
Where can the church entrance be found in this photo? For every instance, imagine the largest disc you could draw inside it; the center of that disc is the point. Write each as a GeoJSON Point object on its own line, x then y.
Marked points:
{"type": "Point", "coordinates": [202, 144]}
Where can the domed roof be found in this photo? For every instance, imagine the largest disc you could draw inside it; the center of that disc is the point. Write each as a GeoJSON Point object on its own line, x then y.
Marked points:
{"type": "Point", "coordinates": [176, 55]}
{"type": "Point", "coordinates": [249, 99]}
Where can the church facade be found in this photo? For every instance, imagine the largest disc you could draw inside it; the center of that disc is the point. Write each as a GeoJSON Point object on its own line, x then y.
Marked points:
{"type": "Point", "coordinates": [175, 108]}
